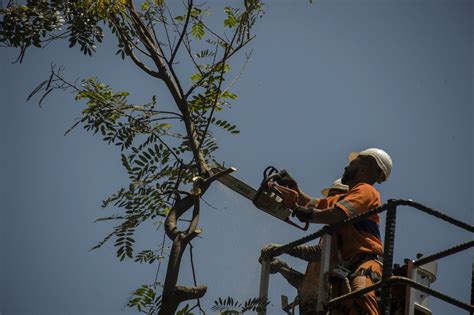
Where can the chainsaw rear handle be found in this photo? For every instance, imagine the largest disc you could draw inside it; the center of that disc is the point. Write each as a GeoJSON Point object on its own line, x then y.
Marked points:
{"type": "Point", "coordinates": [303, 228]}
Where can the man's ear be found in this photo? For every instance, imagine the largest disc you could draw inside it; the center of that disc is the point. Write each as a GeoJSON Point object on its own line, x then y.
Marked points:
{"type": "Point", "coordinates": [380, 177]}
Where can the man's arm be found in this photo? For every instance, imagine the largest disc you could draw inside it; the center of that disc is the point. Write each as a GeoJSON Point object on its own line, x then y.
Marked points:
{"type": "Point", "coordinates": [326, 216]}
{"type": "Point", "coordinates": [305, 252]}
{"type": "Point", "coordinates": [303, 198]}
{"type": "Point", "coordinates": [293, 277]}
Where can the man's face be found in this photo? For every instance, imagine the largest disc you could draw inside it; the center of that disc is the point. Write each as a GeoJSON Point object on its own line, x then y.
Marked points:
{"type": "Point", "coordinates": [351, 171]}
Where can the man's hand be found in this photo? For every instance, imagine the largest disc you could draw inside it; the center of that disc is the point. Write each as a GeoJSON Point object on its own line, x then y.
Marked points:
{"type": "Point", "coordinates": [289, 196]}
{"type": "Point", "coordinates": [287, 181]}
{"type": "Point", "coordinates": [276, 265]}
{"type": "Point", "coordinates": [269, 250]}
{"type": "Point", "coordinates": [303, 214]}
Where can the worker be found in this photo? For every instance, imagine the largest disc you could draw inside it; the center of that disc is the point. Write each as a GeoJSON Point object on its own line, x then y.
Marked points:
{"type": "Point", "coordinates": [305, 283]}
{"type": "Point", "coordinates": [361, 245]}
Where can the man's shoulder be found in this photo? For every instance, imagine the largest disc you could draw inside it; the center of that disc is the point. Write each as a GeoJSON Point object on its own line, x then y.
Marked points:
{"type": "Point", "coordinates": [365, 188]}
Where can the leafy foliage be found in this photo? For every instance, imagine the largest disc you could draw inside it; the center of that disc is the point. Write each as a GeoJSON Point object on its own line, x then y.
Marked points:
{"type": "Point", "coordinates": [145, 299]}
{"type": "Point", "coordinates": [148, 256]}
{"type": "Point", "coordinates": [224, 124]}
{"type": "Point", "coordinates": [160, 150]}
{"type": "Point", "coordinates": [228, 306]}
{"type": "Point", "coordinates": [184, 311]}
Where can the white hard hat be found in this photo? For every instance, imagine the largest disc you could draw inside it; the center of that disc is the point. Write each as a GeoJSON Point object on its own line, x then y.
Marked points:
{"type": "Point", "coordinates": [336, 185]}
{"type": "Point", "coordinates": [384, 161]}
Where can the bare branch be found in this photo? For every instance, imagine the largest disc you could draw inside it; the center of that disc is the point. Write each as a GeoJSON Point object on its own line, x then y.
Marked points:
{"type": "Point", "coordinates": [236, 78]}
{"type": "Point", "coordinates": [179, 208]}
{"type": "Point", "coordinates": [221, 78]}
{"type": "Point", "coordinates": [192, 231]}
{"type": "Point", "coordinates": [129, 51]}
{"type": "Point", "coordinates": [183, 32]}
{"type": "Point", "coordinates": [166, 30]}
{"type": "Point", "coordinates": [161, 254]}
{"type": "Point", "coordinates": [194, 277]}
{"type": "Point", "coordinates": [140, 64]}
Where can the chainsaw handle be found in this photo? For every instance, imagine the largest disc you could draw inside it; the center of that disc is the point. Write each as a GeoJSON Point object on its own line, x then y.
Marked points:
{"type": "Point", "coordinates": [303, 228]}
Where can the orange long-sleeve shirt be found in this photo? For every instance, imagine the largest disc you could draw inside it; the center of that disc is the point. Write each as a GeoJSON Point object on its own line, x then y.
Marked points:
{"type": "Point", "coordinates": [363, 236]}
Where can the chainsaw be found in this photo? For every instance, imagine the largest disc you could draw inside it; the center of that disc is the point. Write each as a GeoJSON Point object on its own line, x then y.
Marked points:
{"type": "Point", "coordinates": [271, 197]}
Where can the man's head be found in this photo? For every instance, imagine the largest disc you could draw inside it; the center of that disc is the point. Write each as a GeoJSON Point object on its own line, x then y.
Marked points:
{"type": "Point", "coordinates": [368, 166]}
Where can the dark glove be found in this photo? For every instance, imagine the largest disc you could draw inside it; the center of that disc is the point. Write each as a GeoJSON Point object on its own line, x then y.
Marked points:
{"type": "Point", "coordinates": [286, 180]}
{"type": "Point", "coordinates": [269, 250]}
{"type": "Point", "coordinates": [303, 214]}
{"type": "Point", "coordinates": [276, 265]}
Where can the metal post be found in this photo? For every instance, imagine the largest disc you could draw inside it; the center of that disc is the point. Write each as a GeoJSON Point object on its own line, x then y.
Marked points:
{"type": "Point", "coordinates": [409, 296]}
{"type": "Point", "coordinates": [389, 244]}
{"type": "Point", "coordinates": [264, 279]}
{"type": "Point", "coordinates": [472, 286]}
{"type": "Point", "coordinates": [323, 295]}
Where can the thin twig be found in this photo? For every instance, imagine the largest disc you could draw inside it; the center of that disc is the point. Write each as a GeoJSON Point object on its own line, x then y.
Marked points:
{"type": "Point", "coordinates": [198, 83]}
{"type": "Point", "coordinates": [221, 78]}
{"type": "Point", "coordinates": [161, 255]}
{"type": "Point", "coordinates": [209, 204]}
{"type": "Point", "coordinates": [166, 30]}
{"type": "Point", "coordinates": [236, 78]}
{"type": "Point", "coordinates": [194, 275]}
{"type": "Point", "coordinates": [126, 41]}
{"type": "Point", "coordinates": [185, 27]}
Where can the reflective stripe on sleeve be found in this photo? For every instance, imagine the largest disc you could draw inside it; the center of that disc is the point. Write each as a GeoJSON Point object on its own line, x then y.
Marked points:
{"type": "Point", "coordinates": [348, 206]}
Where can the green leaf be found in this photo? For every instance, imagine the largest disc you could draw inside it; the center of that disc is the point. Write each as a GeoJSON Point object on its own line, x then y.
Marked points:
{"type": "Point", "coordinates": [198, 30]}
{"type": "Point", "coordinates": [230, 22]}
{"type": "Point", "coordinates": [145, 5]}
{"type": "Point", "coordinates": [195, 77]}
{"type": "Point", "coordinates": [229, 95]}
{"type": "Point", "coordinates": [163, 126]}
{"type": "Point", "coordinates": [205, 53]}
{"type": "Point", "coordinates": [184, 311]}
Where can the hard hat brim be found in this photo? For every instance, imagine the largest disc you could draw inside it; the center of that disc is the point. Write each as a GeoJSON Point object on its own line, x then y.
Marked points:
{"type": "Point", "coordinates": [325, 192]}
{"type": "Point", "coordinates": [353, 156]}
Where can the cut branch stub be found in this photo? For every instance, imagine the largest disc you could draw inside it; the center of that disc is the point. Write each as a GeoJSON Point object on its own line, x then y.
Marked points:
{"type": "Point", "coordinates": [190, 293]}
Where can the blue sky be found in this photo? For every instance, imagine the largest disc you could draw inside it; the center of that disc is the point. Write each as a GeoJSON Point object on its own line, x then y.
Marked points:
{"type": "Point", "coordinates": [324, 80]}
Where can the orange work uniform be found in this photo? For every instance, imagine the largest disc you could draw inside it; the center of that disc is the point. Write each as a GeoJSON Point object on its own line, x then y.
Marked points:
{"type": "Point", "coordinates": [362, 237]}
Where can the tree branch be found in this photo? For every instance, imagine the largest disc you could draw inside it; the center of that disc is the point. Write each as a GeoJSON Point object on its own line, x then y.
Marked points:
{"type": "Point", "coordinates": [230, 54]}
{"type": "Point", "coordinates": [194, 276]}
{"type": "Point", "coordinates": [183, 32]}
{"type": "Point", "coordinates": [129, 51]}
{"type": "Point", "coordinates": [179, 208]}
{"type": "Point", "coordinates": [193, 230]}
{"type": "Point", "coordinates": [190, 293]}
